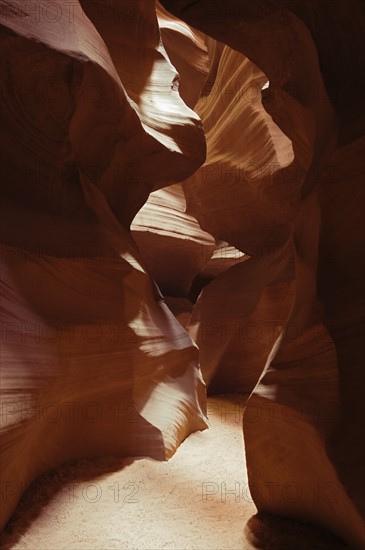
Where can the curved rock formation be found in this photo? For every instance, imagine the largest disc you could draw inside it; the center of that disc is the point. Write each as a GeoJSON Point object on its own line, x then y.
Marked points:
{"type": "Point", "coordinates": [93, 362]}
{"type": "Point", "coordinates": [98, 132]}
{"type": "Point", "coordinates": [172, 245]}
{"type": "Point", "coordinates": [188, 53]}
{"type": "Point", "coordinates": [300, 462]}
{"type": "Point", "coordinates": [249, 173]}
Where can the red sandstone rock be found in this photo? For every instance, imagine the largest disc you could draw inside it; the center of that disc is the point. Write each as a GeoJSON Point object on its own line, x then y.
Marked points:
{"type": "Point", "coordinates": [302, 424]}
{"type": "Point", "coordinates": [93, 362]}
{"type": "Point", "coordinates": [93, 127]}
{"type": "Point", "coordinates": [187, 52]}
{"type": "Point", "coordinates": [172, 245]}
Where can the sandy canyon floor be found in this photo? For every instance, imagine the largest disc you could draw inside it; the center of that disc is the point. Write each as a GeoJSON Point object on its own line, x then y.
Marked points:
{"type": "Point", "coordinates": [199, 500]}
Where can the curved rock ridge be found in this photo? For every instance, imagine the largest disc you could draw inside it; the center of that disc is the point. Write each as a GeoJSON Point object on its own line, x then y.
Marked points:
{"type": "Point", "coordinates": [104, 192]}
{"type": "Point", "coordinates": [173, 247]}
{"type": "Point", "coordinates": [238, 176]}
{"type": "Point", "coordinates": [188, 53]}
{"type": "Point", "coordinates": [224, 256]}
{"type": "Point", "coordinates": [123, 98]}
{"type": "Point", "coordinates": [304, 421]}
{"type": "Point", "coordinates": [251, 172]}
{"type": "Point", "coordinates": [92, 360]}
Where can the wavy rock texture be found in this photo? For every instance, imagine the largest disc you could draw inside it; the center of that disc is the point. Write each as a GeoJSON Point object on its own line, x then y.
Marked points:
{"type": "Point", "coordinates": [188, 53]}
{"type": "Point", "coordinates": [248, 173]}
{"type": "Point", "coordinates": [173, 246]}
{"type": "Point", "coordinates": [303, 423]}
{"type": "Point", "coordinates": [93, 362]}
{"type": "Point", "coordinates": [96, 121]}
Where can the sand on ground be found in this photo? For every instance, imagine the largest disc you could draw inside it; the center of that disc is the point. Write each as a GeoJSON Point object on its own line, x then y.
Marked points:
{"type": "Point", "coordinates": [198, 500]}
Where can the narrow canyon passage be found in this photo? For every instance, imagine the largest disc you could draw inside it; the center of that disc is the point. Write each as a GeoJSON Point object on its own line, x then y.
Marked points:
{"type": "Point", "coordinates": [182, 246]}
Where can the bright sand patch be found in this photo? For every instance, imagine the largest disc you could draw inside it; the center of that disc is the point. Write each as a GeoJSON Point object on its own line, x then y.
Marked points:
{"type": "Point", "coordinates": [198, 500]}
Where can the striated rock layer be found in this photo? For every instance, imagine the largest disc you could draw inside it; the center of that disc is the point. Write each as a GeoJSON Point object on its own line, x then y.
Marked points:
{"type": "Point", "coordinates": [188, 53]}
{"type": "Point", "coordinates": [173, 246]}
{"type": "Point", "coordinates": [248, 173]}
{"type": "Point", "coordinates": [92, 360]}
{"type": "Point", "coordinates": [304, 421]}
{"type": "Point", "coordinates": [98, 133]}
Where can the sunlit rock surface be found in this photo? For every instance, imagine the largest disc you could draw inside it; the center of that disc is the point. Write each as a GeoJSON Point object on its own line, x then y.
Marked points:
{"type": "Point", "coordinates": [306, 409]}
{"type": "Point", "coordinates": [249, 174]}
{"type": "Point", "coordinates": [92, 360]}
{"type": "Point", "coordinates": [172, 244]}
{"type": "Point", "coordinates": [187, 52]}
{"type": "Point", "coordinates": [98, 132]}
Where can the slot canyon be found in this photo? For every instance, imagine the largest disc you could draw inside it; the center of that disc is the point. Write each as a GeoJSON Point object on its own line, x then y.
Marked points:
{"type": "Point", "coordinates": [182, 274]}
